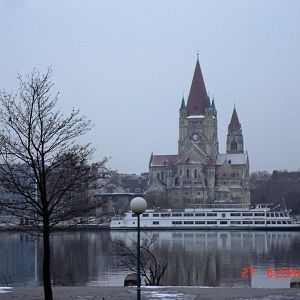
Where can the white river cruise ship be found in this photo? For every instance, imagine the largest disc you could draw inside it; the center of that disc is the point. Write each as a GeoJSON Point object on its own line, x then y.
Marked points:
{"type": "Point", "coordinates": [215, 216]}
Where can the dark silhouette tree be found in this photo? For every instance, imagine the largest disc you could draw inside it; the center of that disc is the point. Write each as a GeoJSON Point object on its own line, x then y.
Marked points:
{"type": "Point", "coordinates": [42, 160]}
{"type": "Point", "coordinates": [153, 267]}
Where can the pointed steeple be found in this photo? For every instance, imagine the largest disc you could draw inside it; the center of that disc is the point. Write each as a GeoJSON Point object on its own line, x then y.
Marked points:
{"type": "Point", "coordinates": [182, 103]}
{"type": "Point", "coordinates": [234, 123]}
{"type": "Point", "coordinates": [235, 141]}
{"type": "Point", "coordinates": [198, 99]}
{"type": "Point", "coordinates": [213, 104]}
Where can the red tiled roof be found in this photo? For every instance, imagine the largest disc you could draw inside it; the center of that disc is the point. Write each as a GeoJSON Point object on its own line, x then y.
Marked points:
{"type": "Point", "coordinates": [198, 99]}
{"type": "Point", "coordinates": [161, 160]}
{"type": "Point", "coordinates": [234, 123]}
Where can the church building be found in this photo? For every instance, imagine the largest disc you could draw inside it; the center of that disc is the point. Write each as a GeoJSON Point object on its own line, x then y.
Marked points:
{"type": "Point", "coordinates": [199, 174]}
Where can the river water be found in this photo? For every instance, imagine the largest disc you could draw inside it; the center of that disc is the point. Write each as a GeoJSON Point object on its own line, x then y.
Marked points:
{"type": "Point", "coordinates": [198, 258]}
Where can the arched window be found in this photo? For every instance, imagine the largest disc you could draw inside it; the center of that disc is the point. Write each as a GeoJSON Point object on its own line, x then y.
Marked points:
{"type": "Point", "coordinates": [187, 173]}
{"type": "Point", "coordinates": [234, 145]}
{"type": "Point", "coordinates": [195, 173]}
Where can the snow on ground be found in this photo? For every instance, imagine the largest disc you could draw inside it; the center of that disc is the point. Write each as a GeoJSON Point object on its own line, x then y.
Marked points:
{"type": "Point", "coordinates": [5, 289]}
{"type": "Point", "coordinates": [153, 295]}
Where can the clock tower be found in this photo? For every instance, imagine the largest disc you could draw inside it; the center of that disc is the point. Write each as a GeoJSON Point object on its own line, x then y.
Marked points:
{"type": "Point", "coordinates": [198, 119]}
{"type": "Point", "coordinates": [198, 174]}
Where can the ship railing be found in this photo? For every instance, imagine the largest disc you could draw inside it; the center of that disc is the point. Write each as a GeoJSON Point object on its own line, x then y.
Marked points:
{"type": "Point", "coordinates": [221, 206]}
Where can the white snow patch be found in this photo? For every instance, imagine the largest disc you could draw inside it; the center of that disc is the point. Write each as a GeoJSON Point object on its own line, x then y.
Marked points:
{"type": "Point", "coordinates": [5, 289]}
{"type": "Point", "coordinates": [196, 117]}
{"type": "Point", "coordinates": [167, 295]}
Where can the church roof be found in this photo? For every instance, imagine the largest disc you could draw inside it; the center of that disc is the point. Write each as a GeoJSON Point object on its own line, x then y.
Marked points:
{"type": "Point", "coordinates": [161, 160]}
{"type": "Point", "coordinates": [198, 99]}
{"type": "Point", "coordinates": [234, 158]}
{"type": "Point", "coordinates": [234, 123]}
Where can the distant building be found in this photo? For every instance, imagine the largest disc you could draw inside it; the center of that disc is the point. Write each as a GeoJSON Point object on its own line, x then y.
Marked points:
{"type": "Point", "coordinates": [199, 173]}
{"type": "Point", "coordinates": [115, 195]}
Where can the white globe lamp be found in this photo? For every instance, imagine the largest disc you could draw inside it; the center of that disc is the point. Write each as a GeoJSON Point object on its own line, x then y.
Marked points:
{"type": "Point", "coordinates": [138, 205]}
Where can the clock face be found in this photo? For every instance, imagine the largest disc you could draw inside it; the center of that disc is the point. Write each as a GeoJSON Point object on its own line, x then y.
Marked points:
{"type": "Point", "coordinates": [195, 137]}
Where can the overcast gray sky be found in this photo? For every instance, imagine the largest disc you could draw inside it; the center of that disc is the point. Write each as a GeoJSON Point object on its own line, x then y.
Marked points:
{"type": "Point", "coordinates": [126, 64]}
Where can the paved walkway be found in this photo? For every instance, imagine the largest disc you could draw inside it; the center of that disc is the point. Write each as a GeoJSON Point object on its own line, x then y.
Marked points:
{"type": "Point", "coordinates": [167, 293]}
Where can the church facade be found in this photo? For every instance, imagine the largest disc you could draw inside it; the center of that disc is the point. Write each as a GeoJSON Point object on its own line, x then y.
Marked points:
{"type": "Point", "coordinates": [199, 174]}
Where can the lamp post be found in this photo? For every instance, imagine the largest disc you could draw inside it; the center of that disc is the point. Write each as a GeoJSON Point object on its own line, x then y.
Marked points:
{"type": "Point", "coordinates": [138, 205]}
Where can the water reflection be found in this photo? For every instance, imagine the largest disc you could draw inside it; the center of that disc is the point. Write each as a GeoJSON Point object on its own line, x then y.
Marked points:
{"type": "Point", "coordinates": [212, 258]}
{"type": "Point", "coordinates": [216, 258]}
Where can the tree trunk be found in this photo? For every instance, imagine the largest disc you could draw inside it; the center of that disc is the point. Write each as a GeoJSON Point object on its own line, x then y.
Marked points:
{"type": "Point", "coordinates": [46, 261]}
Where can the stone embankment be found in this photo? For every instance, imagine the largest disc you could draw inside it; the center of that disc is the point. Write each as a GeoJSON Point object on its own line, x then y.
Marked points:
{"type": "Point", "coordinates": [153, 293]}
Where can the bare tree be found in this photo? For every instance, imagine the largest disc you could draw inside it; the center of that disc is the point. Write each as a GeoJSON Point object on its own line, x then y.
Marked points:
{"type": "Point", "coordinates": [152, 268]}
{"type": "Point", "coordinates": [41, 159]}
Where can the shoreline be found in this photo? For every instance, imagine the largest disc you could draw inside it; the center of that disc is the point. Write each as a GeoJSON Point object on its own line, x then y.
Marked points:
{"type": "Point", "coordinates": [19, 228]}
{"type": "Point", "coordinates": [162, 292]}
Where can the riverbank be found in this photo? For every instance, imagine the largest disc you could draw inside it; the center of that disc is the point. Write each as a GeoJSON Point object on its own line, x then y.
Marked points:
{"type": "Point", "coordinates": [153, 293]}
{"type": "Point", "coordinates": [77, 227]}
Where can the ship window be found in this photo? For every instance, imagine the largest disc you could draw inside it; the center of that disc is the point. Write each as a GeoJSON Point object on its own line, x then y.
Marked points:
{"type": "Point", "coordinates": [145, 215]}
{"type": "Point", "coordinates": [268, 214]}
{"type": "Point", "coordinates": [199, 214]}
{"type": "Point", "coordinates": [165, 215]}
{"type": "Point", "coordinates": [211, 222]}
{"type": "Point", "coordinates": [188, 222]}
{"type": "Point", "coordinates": [279, 222]}
{"type": "Point", "coordinates": [235, 222]}
{"type": "Point", "coordinates": [155, 223]}
{"type": "Point", "coordinates": [155, 215]}
{"type": "Point", "coordinates": [134, 215]}
{"type": "Point", "coordinates": [247, 222]}
{"type": "Point", "coordinates": [268, 222]}
{"type": "Point", "coordinates": [285, 214]}
{"type": "Point", "coordinates": [176, 222]}
{"type": "Point", "coordinates": [276, 214]}
{"type": "Point", "coordinates": [199, 222]}
{"type": "Point", "coordinates": [211, 214]}
{"type": "Point", "coordinates": [133, 222]}
{"type": "Point", "coordinates": [259, 214]}
{"type": "Point", "coordinates": [273, 222]}
{"type": "Point", "coordinates": [223, 215]}
{"type": "Point", "coordinates": [247, 214]}
{"type": "Point", "coordinates": [176, 215]}
{"type": "Point", "coordinates": [188, 215]}
{"type": "Point", "coordinates": [235, 215]}
{"type": "Point", "coordinates": [259, 222]}
{"type": "Point", "coordinates": [284, 222]}
{"type": "Point", "coordinates": [289, 222]}
{"type": "Point", "coordinates": [223, 222]}
{"type": "Point", "coordinates": [281, 215]}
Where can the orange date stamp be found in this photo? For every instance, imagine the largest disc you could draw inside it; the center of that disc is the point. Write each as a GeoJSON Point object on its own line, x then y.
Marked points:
{"type": "Point", "coordinates": [271, 272]}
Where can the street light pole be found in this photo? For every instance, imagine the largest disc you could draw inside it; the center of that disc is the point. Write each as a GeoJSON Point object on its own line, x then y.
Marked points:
{"type": "Point", "coordinates": [138, 205]}
{"type": "Point", "coordinates": [138, 256]}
